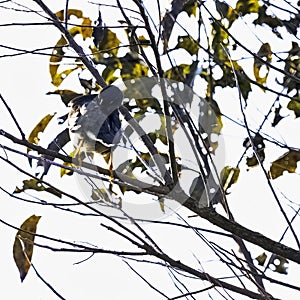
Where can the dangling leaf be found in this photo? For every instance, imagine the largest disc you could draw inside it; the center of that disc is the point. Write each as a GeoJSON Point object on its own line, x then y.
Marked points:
{"type": "Point", "coordinates": [277, 117]}
{"type": "Point", "coordinates": [287, 162]}
{"type": "Point", "coordinates": [264, 53]}
{"type": "Point", "coordinates": [162, 204]}
{"type": "Point", "coordinates": [23, 245]}
{"type": "Point", "coordinates": [40, 127]}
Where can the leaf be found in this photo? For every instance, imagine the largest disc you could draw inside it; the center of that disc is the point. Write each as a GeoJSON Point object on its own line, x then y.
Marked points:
{"type": "Point", "coordinates": [277, 117]}
{"type": "Point", "coordinates": [66, 95]}
{"type": "Point", "coordinates": [220, 42]}
{"type": "Point", "coordinates": [261, 259]}
{"type": "Point", "coordinates": [56, 145]}
{"type": "Point", "coordinates": [229, 176]}
{"type": "Point", "coordinates": [294, 105]}
{"type": "Point", "coordinates": [64, 171]}
{"type": "Point", "coordinates": [162, 204]}
{"type": "Point", "coordinates": [279, 264]}
{"type": "Point", "coordinates": [58, 53]}
{"type": "Point", "coordinates": [287, 162]}
{"type": "Point", "coordinates": [86, 29]}
{"type": "Point", "coordinates": [178, 73]}
{"type": "Point", "coordinates": [57, 56]}
{"type": "Point", "coordinates": [244, 7]}
{"type": "Point", "coordinates": [210, 123]}
{"type": "Point", "coordinates": [34, 184]}
{"type": "Point", "coordinates": [40, 127]}
{"type": "Point", "coordinates": [226, 11]}
{"type": "Point", "coordinates": [292, 66]}
{"type": "Point", "coordinates": [143, 41]}
{"type": "Point", "coordinates": [132, 67]}
{"type": "Point", "coordinates": [264, 52]}
{"type": "Point", "coordinates": [259, 145]}
{"type": "Point", "coordinates": [71, 12]}
{"type": "Point", "coordinates": [23, 245]}
{"type": "Point", "coordinates": [107, 44]}
{"type": "Point", "coordinates": [170, 17]}
{"type": "Point", "coordinates": [187, 43]}
{"type": "Point", "coordinates": [264, 18]}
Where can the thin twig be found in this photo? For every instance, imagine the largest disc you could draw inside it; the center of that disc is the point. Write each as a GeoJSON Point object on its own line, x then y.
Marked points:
{"type": "Point", "coordinates": [13, 117]}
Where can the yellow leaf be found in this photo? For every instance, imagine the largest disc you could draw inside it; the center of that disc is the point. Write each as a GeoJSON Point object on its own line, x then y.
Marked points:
{"type": "Point", "coordinates": [86, 29]}
{"type": "Point", "coordinates": [265, 53]}
{"type": "Point", "coordinates": [143, 41]}
{"type": "Point", "coordinates": [40, 127]}
{"type": "Point", "coordinates": [71, 12]}
{"type": "Point", "coordinates": [23, 245]}
{"type": "Point", "coordinates": [57, 56]}
{"type": "Point", "coordinates": [162, 205]}
{"type": "Point", "coordinates": [287, 162]}
{"type": "Point", "coordinates": [229, 176]}
{"type": "Point", "coordinates": [64, 171]}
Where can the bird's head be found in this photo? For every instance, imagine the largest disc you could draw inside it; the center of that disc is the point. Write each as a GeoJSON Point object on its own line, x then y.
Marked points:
{"type": "Point", "coordinates": [110, 98]}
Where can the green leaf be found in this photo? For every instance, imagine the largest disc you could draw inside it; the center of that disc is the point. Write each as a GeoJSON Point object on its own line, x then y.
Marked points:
{"type": "Point", "coordinates": [294, 105]}
{"type": "Point", "coordinates": [261, 259]}
{"type": "Point", "coordinates": [178, 73]}
{"type": "Point", "coordinates": [210, 123]}
{"type": "Point", "coordinates": [107, 45]}
{"type": "Point", "coordinates": [277, 117]}
{"type": "Point", "coordinates": [66, 95]}
{"type": "Point", "coordinates": [279, 264]}
{"type": "Point", "coordinates": [23, 245]}
{"type": "Point", "coordinates": [34, 184]}
{"type": "Point", "coordinates": [220, 42]}
{"type": "Point", "coordinates": [244, 7]}
{"type": "Point", "coordinates": [187, 43]}
{"type": "Point", "coordinates": [292, 66]}
{"type": "Point", "coordinates": [287, 162]}
{"type": "Point", "coordinates": [226, 11]}
{"type": "Point", "coordinates": [264, 52]}
{"type": "Point", "coordinates": [170, 17]}
{"type": "Point", "coordinates": [229, 176]}
{"type": "Point", "coordinates": [259, 144]}
{"type": "Point", "coordinates": [132, 67]}
{"type": "Point", "coordinates": [264, 18]}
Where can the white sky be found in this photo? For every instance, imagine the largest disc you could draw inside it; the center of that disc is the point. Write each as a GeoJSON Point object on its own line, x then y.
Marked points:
{"type": "Point", "coordinates": [24, 84]}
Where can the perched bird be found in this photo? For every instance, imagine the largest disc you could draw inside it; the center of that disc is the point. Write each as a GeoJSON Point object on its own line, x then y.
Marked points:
{"type": "Point", "coordinates": [93, 121]}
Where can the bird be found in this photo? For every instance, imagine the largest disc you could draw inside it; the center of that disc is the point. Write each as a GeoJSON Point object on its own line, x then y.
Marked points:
{"type": "Point", "coordinates": [94, 121]}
